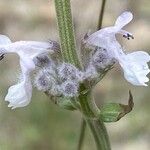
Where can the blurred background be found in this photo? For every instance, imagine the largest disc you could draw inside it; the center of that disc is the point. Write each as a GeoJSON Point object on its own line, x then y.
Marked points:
{"type": "Point", "coordinates": [42, 125]}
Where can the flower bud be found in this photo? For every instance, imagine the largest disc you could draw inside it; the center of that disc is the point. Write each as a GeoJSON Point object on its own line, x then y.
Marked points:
{"type": "Point", "coordinates": [69, 88]}
{"type": "Point", "coordinates": [44, 80]}
{"type": "Point", "coordinates": [42, 61]}
{"type": "Point", "coordinates": [54, 46]}
{"type": "Point", "coordinates": [90, 73]}
{"type": "Point", "coordinates": [68, 71]}
{"type": "Point", "coordinates": [101, 59]}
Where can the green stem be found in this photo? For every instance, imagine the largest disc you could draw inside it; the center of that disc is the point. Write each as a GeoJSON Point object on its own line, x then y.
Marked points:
{"type": "Point", "coordinates": [96, 125]}
{"type": "Point", "coordinates": [90, 110]}
{"type": "Point", "coordinates": [88, 107]}
{"type": "Point", "coordinates": [101, 14]}
{"type": "Point", "coordinates": [66, 32]}
{"type": "Point", "coordinates": [100, 134]}
{"type": "Point", "coordinates": [82, 134]}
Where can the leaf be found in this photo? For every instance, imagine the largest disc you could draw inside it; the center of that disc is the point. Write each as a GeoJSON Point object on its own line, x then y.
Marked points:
{"type": "Point", "coordinates": [65, 103]}
{"type": "Point", "coordinates": [113, 112]}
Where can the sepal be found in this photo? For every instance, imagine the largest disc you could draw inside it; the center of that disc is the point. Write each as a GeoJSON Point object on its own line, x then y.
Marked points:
{"type": "Point", "coordinates": [113, 112]}
{"type": "Point", "coordinates": [66, 103]}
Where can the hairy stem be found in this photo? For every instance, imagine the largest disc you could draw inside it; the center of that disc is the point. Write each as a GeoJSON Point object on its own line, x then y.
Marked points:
{"type": "Point", "coordinates": [90, 110]}
{"type": "Point", "coordinates": [101, 15]}
{"type": "Point", "coordinates": [66, 32]}
{"type": "Point", "coordinates": [82, 134]}
{"type": "Point", "coordinates": [100, 134]}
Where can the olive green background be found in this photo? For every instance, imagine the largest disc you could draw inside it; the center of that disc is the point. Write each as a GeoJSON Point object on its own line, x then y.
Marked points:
{"type": "Point", "coordinates": [43, 126]}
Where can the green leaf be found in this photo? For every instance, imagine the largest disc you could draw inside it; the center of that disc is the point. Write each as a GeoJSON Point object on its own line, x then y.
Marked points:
{"type": "Point", "coordinates": [65, 102]}
{"type": "Point", "coordinates": [113, 112]}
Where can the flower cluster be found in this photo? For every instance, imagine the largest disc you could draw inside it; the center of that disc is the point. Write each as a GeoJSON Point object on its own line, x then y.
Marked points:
{"type": "Point", "coordinates": [63, 79]}
{"type": "Point", "coordinates": [58, 78]}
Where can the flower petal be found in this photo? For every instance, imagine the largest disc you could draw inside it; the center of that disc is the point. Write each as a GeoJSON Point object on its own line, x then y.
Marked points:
{"type": "Point", "coordinates": [19, 95]}
{"type": "Point", "coordinates": [102, 38]}
{"type": "Point", "coordinates": [123, 19]}
{"type": "Point", "coordinates": [27, 65]}
{"type": "Point", "coordinates": [105, 36]}
{"type": "Point", "coordinates": [4, 40]}
{"type": "Point", "coordinates": [139, 56]}
{"type": "Point", "coordinates": [135, 67]}
{"type": "Point", "coordinates": [30, 48]}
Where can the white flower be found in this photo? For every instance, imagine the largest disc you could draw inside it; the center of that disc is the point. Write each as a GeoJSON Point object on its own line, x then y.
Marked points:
{"type": "Point", "coordinates": [19, 95]}
{"type": "Point", "coordinates": [134, 65]}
